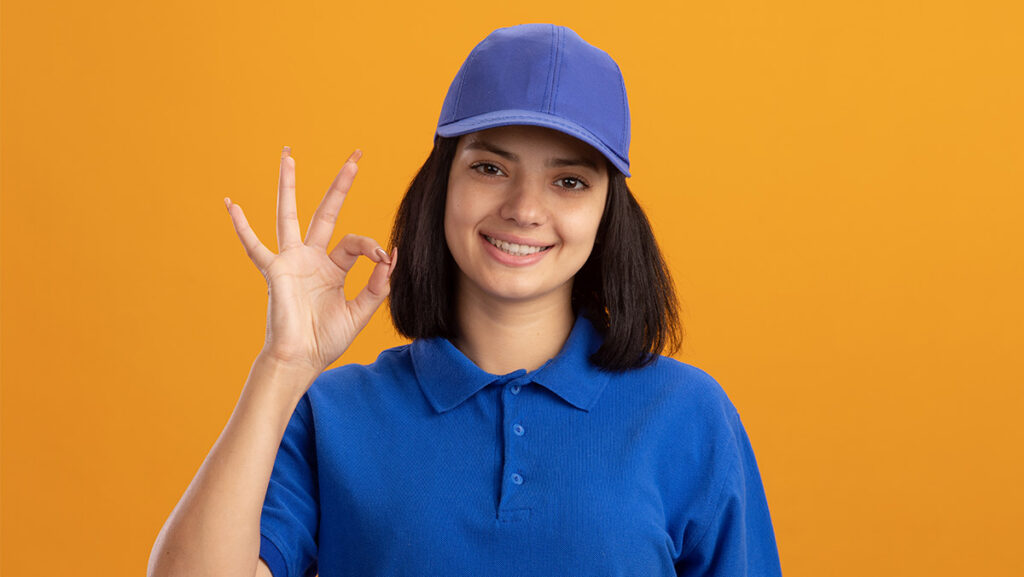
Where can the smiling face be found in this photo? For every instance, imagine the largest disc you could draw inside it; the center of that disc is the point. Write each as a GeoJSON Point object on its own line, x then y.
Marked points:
{"type": "Point", "coordinates": [523, 208]}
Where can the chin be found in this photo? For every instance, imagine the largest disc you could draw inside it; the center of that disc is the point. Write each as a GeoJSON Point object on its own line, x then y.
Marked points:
{"type": "Point", "coordinates": [521, 292]}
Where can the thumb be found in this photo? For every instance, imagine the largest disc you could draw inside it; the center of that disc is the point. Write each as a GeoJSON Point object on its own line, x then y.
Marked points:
{"type": "Point", "coordinates": [373, 294]}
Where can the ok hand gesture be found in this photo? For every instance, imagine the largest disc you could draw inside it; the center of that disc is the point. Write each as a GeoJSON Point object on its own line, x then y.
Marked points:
{"type": "Point", "coordinates": [309, 322]}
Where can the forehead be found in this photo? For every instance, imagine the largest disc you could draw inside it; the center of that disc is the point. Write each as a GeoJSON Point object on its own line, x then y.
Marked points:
{"type": "Point", "coordinates": [519, 138]}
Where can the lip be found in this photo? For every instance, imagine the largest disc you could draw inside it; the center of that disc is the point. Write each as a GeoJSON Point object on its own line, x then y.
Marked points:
{"type": "Point", "coordinates": [515, 239]}
{"type": "Point", "coordinates": [510, 259]}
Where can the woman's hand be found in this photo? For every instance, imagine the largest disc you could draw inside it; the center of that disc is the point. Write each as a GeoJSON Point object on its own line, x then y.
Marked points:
{"type": "Point", "coordinates": [309, 322]}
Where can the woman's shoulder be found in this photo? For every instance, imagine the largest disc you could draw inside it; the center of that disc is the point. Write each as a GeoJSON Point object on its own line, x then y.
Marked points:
{"type": "Point", "coordinates": [683, 406]}
{"type": "Point", "coordinates": [668, 367]}
{"type": "Point", "coordinates": [393, 366]}
{"type": "Point", "coordinates": [668, 380]}
{"type": "Point", "coordinates": [386, 364]}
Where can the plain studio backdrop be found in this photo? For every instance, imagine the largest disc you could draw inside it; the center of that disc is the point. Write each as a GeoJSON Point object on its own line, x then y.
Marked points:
{"type": "Point", "coordinates": [837, 187]}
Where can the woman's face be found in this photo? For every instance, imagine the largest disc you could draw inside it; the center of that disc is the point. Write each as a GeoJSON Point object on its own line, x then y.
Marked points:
{"type": "Point", "coordinates": [524, 204]}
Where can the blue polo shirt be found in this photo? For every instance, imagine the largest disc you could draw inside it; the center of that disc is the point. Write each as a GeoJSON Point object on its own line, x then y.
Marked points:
{"type": "Point", "coordinates": [423, 464]}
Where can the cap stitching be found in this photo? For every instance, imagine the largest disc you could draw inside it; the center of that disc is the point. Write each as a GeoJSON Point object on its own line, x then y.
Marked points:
{"type": "Point", "coordinates": [625, 105]}
{"type": "Point", "coordinates": [553, 55]}
{"type": "Point", "coordinates": [560, 34]}
{"type": "Point", "coordinates": [462, 82]}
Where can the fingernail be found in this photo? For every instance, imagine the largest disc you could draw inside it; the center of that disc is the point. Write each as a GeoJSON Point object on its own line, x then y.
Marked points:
{"type": "Point", "coordinates": [355, 156]}
{"type": "Point", "coordinates": [227, 202]}
{"type": "Point", "coordinates": [286, 151]}
{"type": "Point", "coordinates": [394, 259]}
{"type": "Point", "coordinates": [383, 255]}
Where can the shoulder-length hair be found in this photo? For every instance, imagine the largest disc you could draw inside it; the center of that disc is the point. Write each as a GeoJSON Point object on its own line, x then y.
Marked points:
{"type": "Point", "coordinates": [624, 288]}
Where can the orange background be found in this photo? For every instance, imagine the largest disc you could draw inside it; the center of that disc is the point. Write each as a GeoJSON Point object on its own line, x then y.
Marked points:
{"type": "Point", "coordinates": [837, 187]}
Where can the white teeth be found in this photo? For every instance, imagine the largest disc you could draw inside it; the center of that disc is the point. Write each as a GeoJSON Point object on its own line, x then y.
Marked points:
{"type": "Point", "coordinates": [515, 249]}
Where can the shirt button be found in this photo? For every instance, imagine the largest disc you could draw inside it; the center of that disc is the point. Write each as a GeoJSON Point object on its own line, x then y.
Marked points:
{"type": "Point", "coordinates": [518, 429]}
{"type": "Point", "coordinates": [517, 478]}
{"type": "Point", "coordinates": [515, 389]}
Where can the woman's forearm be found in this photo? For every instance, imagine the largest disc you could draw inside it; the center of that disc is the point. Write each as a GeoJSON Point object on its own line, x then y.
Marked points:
{"type": "Point", "coordinates": [215, 527]}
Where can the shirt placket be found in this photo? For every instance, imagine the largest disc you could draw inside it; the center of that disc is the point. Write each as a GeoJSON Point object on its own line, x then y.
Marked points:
{"type": "Point", "coordinates": [515, 432]}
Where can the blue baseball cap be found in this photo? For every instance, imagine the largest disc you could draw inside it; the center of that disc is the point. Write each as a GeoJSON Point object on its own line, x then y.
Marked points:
{"type": "Point", "coordinates": [541, 75]}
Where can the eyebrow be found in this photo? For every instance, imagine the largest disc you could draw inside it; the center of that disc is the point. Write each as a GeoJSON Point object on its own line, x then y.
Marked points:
{"type": "Point", "coordinates": [480, 144]}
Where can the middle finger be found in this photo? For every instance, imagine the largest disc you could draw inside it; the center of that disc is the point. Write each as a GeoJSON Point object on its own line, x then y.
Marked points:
{"type": "Point", "coordinates": [287, 215]}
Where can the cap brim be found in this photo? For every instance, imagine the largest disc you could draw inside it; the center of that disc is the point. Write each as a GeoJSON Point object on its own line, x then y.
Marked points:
{"type": "Point", "coordinates": [530, 118]}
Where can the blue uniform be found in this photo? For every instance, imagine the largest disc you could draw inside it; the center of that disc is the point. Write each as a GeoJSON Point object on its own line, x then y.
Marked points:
{"type": "Point", "coordinates": [423, 464]}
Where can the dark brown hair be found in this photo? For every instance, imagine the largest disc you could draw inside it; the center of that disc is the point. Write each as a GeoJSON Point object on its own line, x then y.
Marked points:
{"type": "Point", "coordinates": [624, 288]}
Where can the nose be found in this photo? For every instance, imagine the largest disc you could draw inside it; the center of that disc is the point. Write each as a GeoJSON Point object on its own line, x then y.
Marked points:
{"type": "Point", "coordinates": [524, 204]}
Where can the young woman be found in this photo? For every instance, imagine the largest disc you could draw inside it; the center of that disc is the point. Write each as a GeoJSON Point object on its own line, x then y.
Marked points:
{"type": "Point", "coordinates": [531, 427]}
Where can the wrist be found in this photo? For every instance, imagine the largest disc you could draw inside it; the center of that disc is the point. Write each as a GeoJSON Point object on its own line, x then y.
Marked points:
{"type": "Point", "coordinates": [292, 378]}
{"type": "Point", "coordinates": [287, 363]}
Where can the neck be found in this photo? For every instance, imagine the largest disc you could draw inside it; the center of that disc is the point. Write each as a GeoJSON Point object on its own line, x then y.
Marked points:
{"type": "Point", "coordinates": [502, 337]}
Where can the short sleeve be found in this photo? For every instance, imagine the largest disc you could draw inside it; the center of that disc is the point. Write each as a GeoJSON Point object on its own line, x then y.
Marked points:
{"type": "Point", "coordinates": [739, 540]}
{"type": "Point", "coordinates": [290, 517]}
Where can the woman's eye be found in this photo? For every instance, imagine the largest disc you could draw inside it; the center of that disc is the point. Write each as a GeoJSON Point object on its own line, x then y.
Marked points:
{"type": "Point", "coordinates": [571, 183]}
{"type": "Point", "coordinates": [488, 169]}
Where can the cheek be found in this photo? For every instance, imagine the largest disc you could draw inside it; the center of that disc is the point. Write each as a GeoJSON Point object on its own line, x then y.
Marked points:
{"type": "Point", "coordinates": [459, 221]}
{"type": "Point", "coordinates": [583, 224]}
{"type": "Point", "coordinates": [449, 209]}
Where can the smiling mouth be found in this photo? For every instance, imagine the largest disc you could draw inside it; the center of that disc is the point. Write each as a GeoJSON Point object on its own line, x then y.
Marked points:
{"type": "Point", "coordinates": [516, 249]}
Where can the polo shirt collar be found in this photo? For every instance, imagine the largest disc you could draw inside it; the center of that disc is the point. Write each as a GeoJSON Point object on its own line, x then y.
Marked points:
{"type": "Point", "coordinates": [448, 377]}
